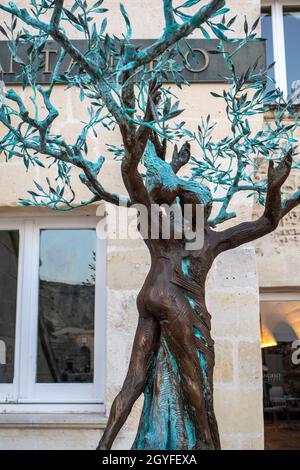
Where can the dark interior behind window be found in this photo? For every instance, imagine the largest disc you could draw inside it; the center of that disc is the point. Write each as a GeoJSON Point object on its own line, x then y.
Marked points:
{"type": "Point", "coordinates": [9, 254]}
{"type": "Point", "coordinates": [280, 325]}
{"type": "Point", "coordinates": [66, 306]}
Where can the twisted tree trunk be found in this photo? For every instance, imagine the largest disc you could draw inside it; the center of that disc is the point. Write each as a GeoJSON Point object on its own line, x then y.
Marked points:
{"type": "Point", "coordinates": [173, 357]}
{"type": "Point", "coordinates": [178, 408]}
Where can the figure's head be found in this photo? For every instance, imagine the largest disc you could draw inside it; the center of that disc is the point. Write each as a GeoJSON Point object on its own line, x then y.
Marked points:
{"type": "Point", "coordinates": [159, 172]}
{"type": "Point", "coordinates": [151, 160]}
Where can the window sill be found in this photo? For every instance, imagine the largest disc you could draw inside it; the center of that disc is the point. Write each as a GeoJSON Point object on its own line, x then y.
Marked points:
{"type": "Point", "coordinates": [53, 420]}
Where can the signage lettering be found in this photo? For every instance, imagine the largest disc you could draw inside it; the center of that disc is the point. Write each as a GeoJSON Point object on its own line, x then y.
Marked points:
{"type": "Point", "coordinates": [197, 64]}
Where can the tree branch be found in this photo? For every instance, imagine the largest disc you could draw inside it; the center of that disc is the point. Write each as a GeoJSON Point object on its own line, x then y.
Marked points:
{"type": "Point", "coordinates": [135, 145]}
{"type": "Point", "coordinates": [144, 131]}
{"type": "Point", "coordinates": [98, 190]}
{"type": "Point", "coordinates": [58, 7]}
{"type": "Point", "coordinates": [132, 179]}
{"type": "Point", "coordinates": [64, 206]}
{"type": "Point", "coordinates": [290, 204]}
{"type": "Point", "coordinates": [173, 35]}
{"type": "Point", "coordinates": [223, 214]}
{"type": "Point", "coordinates": [276, 178]}
{"type": "Point", "coordinates": [160, 146]}
{"type": "Point", "coordinates": [53, 30]}
{"type": "Point", "coordinates": [181, 157]}
{"type": "Point", "coordinates": [250, 231]}
{"type": "Point", "coordinates": [169, 15]}
{"type": "Point", "coordinates": [66, 154]}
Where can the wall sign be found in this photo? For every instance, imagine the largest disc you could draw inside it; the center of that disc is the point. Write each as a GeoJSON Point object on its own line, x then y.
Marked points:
{"type": "Point", "coordinates": [203, 67]}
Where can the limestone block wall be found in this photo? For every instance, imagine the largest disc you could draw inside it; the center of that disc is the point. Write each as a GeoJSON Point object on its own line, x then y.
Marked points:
{"type": "Point", "coordinates": [233, 303]}
{"type": "Point", "coordinates": [280, 251]}
{"type": "Point", "coordinates": [232, 286]}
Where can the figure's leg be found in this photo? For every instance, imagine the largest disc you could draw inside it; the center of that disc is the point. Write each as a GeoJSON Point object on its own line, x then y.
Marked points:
{"type": "Point", "coordinates": [144, 347]}
{"type": "Point", "coordinates": [180, 337]}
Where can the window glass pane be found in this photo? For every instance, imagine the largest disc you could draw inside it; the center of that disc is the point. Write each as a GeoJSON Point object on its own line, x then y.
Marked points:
{"type": "Point", "coordinates": [267, 33]}
{"type": "Point", "coordinates": [292, 40]}
{"type": "Point", "coordinates": [66, 306]}
{"type": "Point", "coordinates": [280, 327]}
{"type": "Point", "coordinates": [9, 254]}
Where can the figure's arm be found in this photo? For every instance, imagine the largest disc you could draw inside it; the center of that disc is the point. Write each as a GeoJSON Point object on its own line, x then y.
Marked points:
{"type": "Point", "coordinates": [274, 211]}
{"type": "Point", "coordinates": [135, 142]}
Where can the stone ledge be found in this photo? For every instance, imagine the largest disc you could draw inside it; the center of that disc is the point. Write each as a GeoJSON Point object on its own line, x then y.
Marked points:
{"type": "Point", "coordinates": [53, 420]}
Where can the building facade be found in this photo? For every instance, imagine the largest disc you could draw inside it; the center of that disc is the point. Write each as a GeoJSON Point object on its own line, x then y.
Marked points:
{"type": "Point", "coordinates": [67, 297]}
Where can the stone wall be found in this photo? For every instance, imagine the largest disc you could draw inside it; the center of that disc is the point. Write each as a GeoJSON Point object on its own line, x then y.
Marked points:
{"type": "Point", "coordinates": [232, 286]}
{"type": "Point", "coordinates": [280, 251]}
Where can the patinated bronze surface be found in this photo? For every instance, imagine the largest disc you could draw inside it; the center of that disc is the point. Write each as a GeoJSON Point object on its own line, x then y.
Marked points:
{"type": "Point", "coordinates": [172, 358]}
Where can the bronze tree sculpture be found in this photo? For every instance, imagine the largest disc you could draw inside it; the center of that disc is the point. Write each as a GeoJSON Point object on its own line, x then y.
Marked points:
{"type": "Point", "coordinates": [173, 353]}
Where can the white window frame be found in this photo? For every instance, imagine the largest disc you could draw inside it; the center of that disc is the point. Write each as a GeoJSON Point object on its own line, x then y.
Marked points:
{"type": "Point", "coordinates": [274, 295]}
{"type": "Point", "coordinates": [279, 40]}
{"type": "Point", "coordinates": [24, 395]}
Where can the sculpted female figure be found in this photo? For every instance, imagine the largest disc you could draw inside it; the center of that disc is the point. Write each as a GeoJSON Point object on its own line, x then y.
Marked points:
{"type": "Point", "coordinates": [123, 86]}
{"type": "Point", "coordinates": [173, 353]}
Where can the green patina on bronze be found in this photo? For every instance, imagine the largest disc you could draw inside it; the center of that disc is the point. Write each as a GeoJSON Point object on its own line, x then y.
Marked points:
{"type": "Point", "coordinates": [173, 353]}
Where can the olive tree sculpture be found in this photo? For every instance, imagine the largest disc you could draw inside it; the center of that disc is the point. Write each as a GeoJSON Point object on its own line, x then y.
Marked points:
{"type": "Point", "coordinates": [173, 353]}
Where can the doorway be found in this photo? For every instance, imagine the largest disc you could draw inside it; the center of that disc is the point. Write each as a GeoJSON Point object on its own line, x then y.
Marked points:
{"type": "Point", "coordinates": [280, 346]}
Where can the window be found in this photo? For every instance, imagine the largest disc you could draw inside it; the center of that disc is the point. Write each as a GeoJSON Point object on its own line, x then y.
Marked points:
{"type": "Point", "coordinates": [52, 314]}
{"type": "Point", "coordinates": [9, 256]}
{"type": "Point", "coordinates": [281, 28]}
{"type": "Point", "coordinates": [280, 342]}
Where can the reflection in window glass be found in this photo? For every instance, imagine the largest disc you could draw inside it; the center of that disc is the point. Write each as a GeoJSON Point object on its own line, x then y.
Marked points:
{"type": "Point", "coordinates": [267, 33]}
{"type": "Point", "coordinates": [292, 40]}
{"type": "Point", "coordinates": [9, 254]}
{"type": "Point", "coordinates": [66, 306]}
{"type": "Point", "coordinates": [280, 328]}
